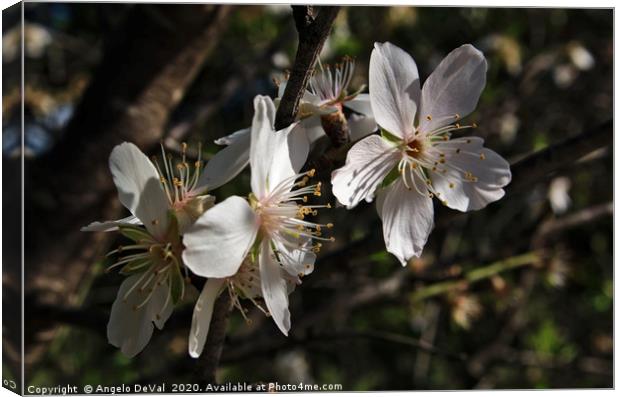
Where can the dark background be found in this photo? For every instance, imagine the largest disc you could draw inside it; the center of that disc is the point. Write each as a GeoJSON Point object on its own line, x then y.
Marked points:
{"type": "Point", "coordinates": [100, 74]}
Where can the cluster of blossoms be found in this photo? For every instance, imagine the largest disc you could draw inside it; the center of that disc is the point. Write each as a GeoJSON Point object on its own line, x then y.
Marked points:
{"type": "Point", "coordinates": [260, 246]}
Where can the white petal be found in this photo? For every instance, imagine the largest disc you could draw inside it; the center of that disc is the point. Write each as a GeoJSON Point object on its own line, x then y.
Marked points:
{"type": "Point", "coordinates": [275, 290]}
{"type": "Point", "coordinates": [361, 104]}
{"type": "Point", "coordinates": [225, 164]}
{"type": "Point", "coordinates": [295, 254]}
{"type": "Point", "coordinates": [237, 135]}
{"type": "Point", "coordinates": [298, 143]}
{"type": "Point", "coordinates": [108, 226]}
{"type": "Point", "coordinates": [217, 243]}
{"type": "Point", "coordinates": [271, 158]}
{"type": "Point", "coordinates": [407, 219]}
{"type": "Point", "coordinates": [139, 187]}
{"type": "Point", "coordinates": [453, 88]}
{"type": "Point", "coordinates": [314, 129]}
{"type": "Point", "coordinates": [394, 86]}
{"type": "Point", "coordinates": [131, 329]}
{"type": "Point", "coordinates": [490, 169]}
{"type": "Point", "coordinates": [360, 126]}
{"type": "Point", "coordinates": [368, 162]}
{"type": "Point", "coordinates": [201, 319]}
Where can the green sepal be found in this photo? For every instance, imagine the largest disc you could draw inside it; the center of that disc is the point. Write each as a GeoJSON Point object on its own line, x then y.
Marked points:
{"type": "Point", "coordinates": [390, 137]}
{"type": "Point", "coordinates": [390, 177]}
{"type": "Point", "coordinates": [177, 284]}
{"type": "Point", "coordinates": [172, 234]}
{"type": "Point", "coordinates": [136, 266]}
{"type": "Point", "coordinates": [135, 233]}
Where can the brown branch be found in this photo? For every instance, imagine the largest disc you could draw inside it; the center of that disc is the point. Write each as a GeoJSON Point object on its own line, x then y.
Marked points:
{"type": "Point", "coordinates": [141, 79]}
{"type": "Point", "coordinates": [144, 73]}
{"type": "Point", "coordinates": [313, 25]}
{"type": "Point", "coordinates": [210, 358]}
{"type": "Point", "coordinates": [537, 166]}
{"type": "Point", "coordinates": [587, 215]}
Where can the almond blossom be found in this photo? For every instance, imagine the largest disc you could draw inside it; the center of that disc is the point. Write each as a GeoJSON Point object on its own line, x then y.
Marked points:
{"type": "Point", "coordinates": [321, 109]}
{"type": "Point", "coordinates": [415, 158]}
{"type": "Point", "coordinates": [165, 200]}
{"type": "Point", "coordinates": [268, 229]}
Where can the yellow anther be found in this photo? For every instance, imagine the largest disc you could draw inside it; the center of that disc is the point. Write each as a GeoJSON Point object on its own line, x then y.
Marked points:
{"type": "Point", "coordinates": [184, 146]}
{"type": "Point", "coordinates": [330, 225]}
{"type": "Point", "coordinates": [332, 239]}
{"type": "Point", "coordinates": [457, 116]}
{"type": "Point", "coordinates": [457, 125]}
{"type": "Point", "coordinates": [474, 125]}
{"type": "Point", "coordinates": [442, 161]}
{"type": "Point", "coordinates": [311, 172]}
{"type": "Point", "coordinates": [451, 185]}
{"type": "Point", "coordinates": [458, 150]}
{"type": "Point", "coordinates": [482, 156]}
{"type": "Point", "coordinates": [445, 138]}
{"type": "Point", "coordinates": [155, 222]}
{"type": "Point", "coordinates": [329, 205]}
{"type": "Point", "coordinates": [304, 199]}
{"type": "Point", "coordinates": [430, 195]}
{"type": "Point", "coordinates": [197, 164]}
{"type": "Point", "coordinates": [429, 117]}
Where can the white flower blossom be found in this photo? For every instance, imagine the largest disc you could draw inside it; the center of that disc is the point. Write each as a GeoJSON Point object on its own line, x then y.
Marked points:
{"type": "Point", "coordinates": [269, 227]}
{"type": "Point", "coordinates": [321, 109]}
{"type": "Point", "coordinates": [415, 158]}
{"type": "Point", "coordinates": [165, 200]}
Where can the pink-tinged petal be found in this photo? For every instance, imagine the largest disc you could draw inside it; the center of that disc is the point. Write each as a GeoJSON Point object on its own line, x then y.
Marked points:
{"type": "Point", "coordinates": [108, 226]}
{"type": "Point", "coordinates": [139, 187]}
{"type": "Point", "coordinates": [474, 175]}
{"type": "Point", "coordinates": [360, 127]}
{"type": "Point", "coordinates": [407, 217]}
{"type": "Point", "coordinates": [217, 243]}
{"type": "Point", "coordinates": [360, 104]}
{"type": "Point", "coordinates": [274, 156]}
{"type": "Point", "coordinates": [201, 319]}
{"type": "Point", "coordinates": [225, 164]}
{"type": "Point", "coordinates": [394, 86]}
{"type": "Point", "coordinates": [368, 163]}
{"type": "Point", "coordinates": [274, 286]}
{"type": "Point", "coordinates": [130, 328]}
{"type": "Point", "coordinates": [453, 88]}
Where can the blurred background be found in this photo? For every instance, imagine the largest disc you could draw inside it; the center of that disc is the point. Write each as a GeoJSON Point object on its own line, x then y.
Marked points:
{"type": "Point", "coordinates": [537, 311]}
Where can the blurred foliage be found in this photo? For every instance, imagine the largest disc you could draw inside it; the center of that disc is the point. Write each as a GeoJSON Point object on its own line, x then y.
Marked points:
{"type": "Point", "coordinates": [550, 77]}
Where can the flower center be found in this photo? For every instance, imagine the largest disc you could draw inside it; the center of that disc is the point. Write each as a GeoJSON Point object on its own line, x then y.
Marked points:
{"type": "Point", "coordinates": [415, 148]}
{"type": "Point", "coordinates": [156, 262]}
{"type": "Point", "coordinates": [282, 213]}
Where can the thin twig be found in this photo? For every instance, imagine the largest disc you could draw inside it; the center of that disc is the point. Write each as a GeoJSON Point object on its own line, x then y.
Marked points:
{"type": "Point", "coordinates": [313, 25]}
{"type": "Point", "coordinates": [540, 164]}
{"type": "Point", "coordinates": [210, 358]}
